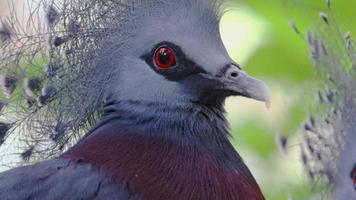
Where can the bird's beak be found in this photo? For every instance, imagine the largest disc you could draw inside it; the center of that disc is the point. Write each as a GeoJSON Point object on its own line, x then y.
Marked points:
{"type": "Point", "coordinates": [234, 81]}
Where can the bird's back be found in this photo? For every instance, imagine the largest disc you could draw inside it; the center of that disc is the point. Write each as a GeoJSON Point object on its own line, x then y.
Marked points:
{"type": "Point", "coordinates": [58, 179]}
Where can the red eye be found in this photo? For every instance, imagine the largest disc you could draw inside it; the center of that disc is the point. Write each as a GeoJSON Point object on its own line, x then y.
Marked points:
{"type": "Point", "coordinates": [164, 58]}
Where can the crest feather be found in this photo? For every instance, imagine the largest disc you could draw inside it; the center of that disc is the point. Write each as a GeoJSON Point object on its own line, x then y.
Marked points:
{"type": "Point", "coordinates": [54, 91]}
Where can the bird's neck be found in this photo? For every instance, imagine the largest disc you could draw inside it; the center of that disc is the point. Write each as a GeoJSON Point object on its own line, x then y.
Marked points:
{"type": "Point", "coordinates": [156, 148]}
{"type": "Point", "coordinates": [205, 125]}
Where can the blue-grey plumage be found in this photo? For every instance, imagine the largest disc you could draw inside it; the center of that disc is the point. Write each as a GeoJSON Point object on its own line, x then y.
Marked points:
{"type": "Point", "coordinates": [76, 81]}
{"type": "Point", "coordinates": [153, 76]}
{"type": "Point", "coordinates": [58, 179]}
{"type": "Point", "coordinates": [102, 59]}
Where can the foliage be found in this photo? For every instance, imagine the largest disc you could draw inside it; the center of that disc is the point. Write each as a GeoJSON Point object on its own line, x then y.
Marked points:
{"type": "Point", "coordinates": [282, 59]}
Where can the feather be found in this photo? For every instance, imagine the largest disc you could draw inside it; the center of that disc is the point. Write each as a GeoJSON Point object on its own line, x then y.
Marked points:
{"type": "Point", "coordinates": [282, 142]}
{"type": "Point", "coordinates": [26, 155]}
{"type": "Point", "coordinates": [8, 84]}
{"type": "Point", "coordinates": [328, 3]}
{"type": "Point", "coordinates": [324, 17]}
{"type": "Point", "coordinates": [52, 15]}
{"type": "Point", "coordinates": [4, 128]}
{"type": "Point", "coordinates": [5, 33]}
{"type": "Point", "coordinates": [32, 85]}
{"type": "Point", "coordinates": [55, 57]}
{"type": "Point", "coordinates": [328, 151]}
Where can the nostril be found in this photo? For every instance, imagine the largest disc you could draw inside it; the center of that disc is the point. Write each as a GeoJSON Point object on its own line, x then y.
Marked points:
{"type": "Point", "coordinates": [234, 74]}
{"type": "Point", "coordinates": [232, 71]}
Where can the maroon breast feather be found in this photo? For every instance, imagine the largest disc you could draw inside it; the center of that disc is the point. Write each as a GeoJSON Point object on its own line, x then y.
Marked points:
{"type": "Point", "coordinates": [159, 169]}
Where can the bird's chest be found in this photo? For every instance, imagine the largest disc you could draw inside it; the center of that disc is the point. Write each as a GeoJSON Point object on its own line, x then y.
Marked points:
{"type": "Point", "coordinates": [159, 169]}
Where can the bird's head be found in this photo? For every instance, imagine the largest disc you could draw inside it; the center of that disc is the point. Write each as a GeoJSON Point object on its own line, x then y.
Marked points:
{"type": "Point", "coordinates": [137, 57]}
{"type": "Point", "coordinates": [173, 54]}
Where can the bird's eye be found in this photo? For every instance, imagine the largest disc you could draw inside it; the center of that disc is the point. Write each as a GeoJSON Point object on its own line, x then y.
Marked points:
{"type": "Point", "coordinates": [164, 58]}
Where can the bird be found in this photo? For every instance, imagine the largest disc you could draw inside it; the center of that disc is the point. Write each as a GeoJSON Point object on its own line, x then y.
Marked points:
{"type": "Point", "coordinates": [328, 135]}
{"type": "Point", "coordinates": [125, 99]}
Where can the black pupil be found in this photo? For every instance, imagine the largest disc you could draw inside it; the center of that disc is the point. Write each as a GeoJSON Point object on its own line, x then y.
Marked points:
{"type": "Point", "coordinates": [164, 57]}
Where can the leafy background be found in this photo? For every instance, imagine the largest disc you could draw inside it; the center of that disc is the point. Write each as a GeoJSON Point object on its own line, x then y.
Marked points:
{"type": "Point", "coordinates": [258, 35]}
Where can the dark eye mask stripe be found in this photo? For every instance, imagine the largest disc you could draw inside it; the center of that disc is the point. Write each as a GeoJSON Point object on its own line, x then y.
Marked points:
{"type": "Point", "coordinates": [183, 68]}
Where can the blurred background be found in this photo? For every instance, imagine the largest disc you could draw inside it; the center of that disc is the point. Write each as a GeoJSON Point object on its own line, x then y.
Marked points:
{"type": "Point", "coordinates": [258, 35]}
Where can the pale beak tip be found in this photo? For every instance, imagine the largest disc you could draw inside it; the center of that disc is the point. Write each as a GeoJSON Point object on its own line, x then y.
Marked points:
{"type": "Point", "coordinates": [268, 104]}
{"type": "Point", "coordinates": [267, 97]}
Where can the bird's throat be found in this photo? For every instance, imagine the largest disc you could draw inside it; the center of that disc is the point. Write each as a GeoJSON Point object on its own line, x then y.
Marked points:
{"type": "Point", "coordinates": [192, 121]}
